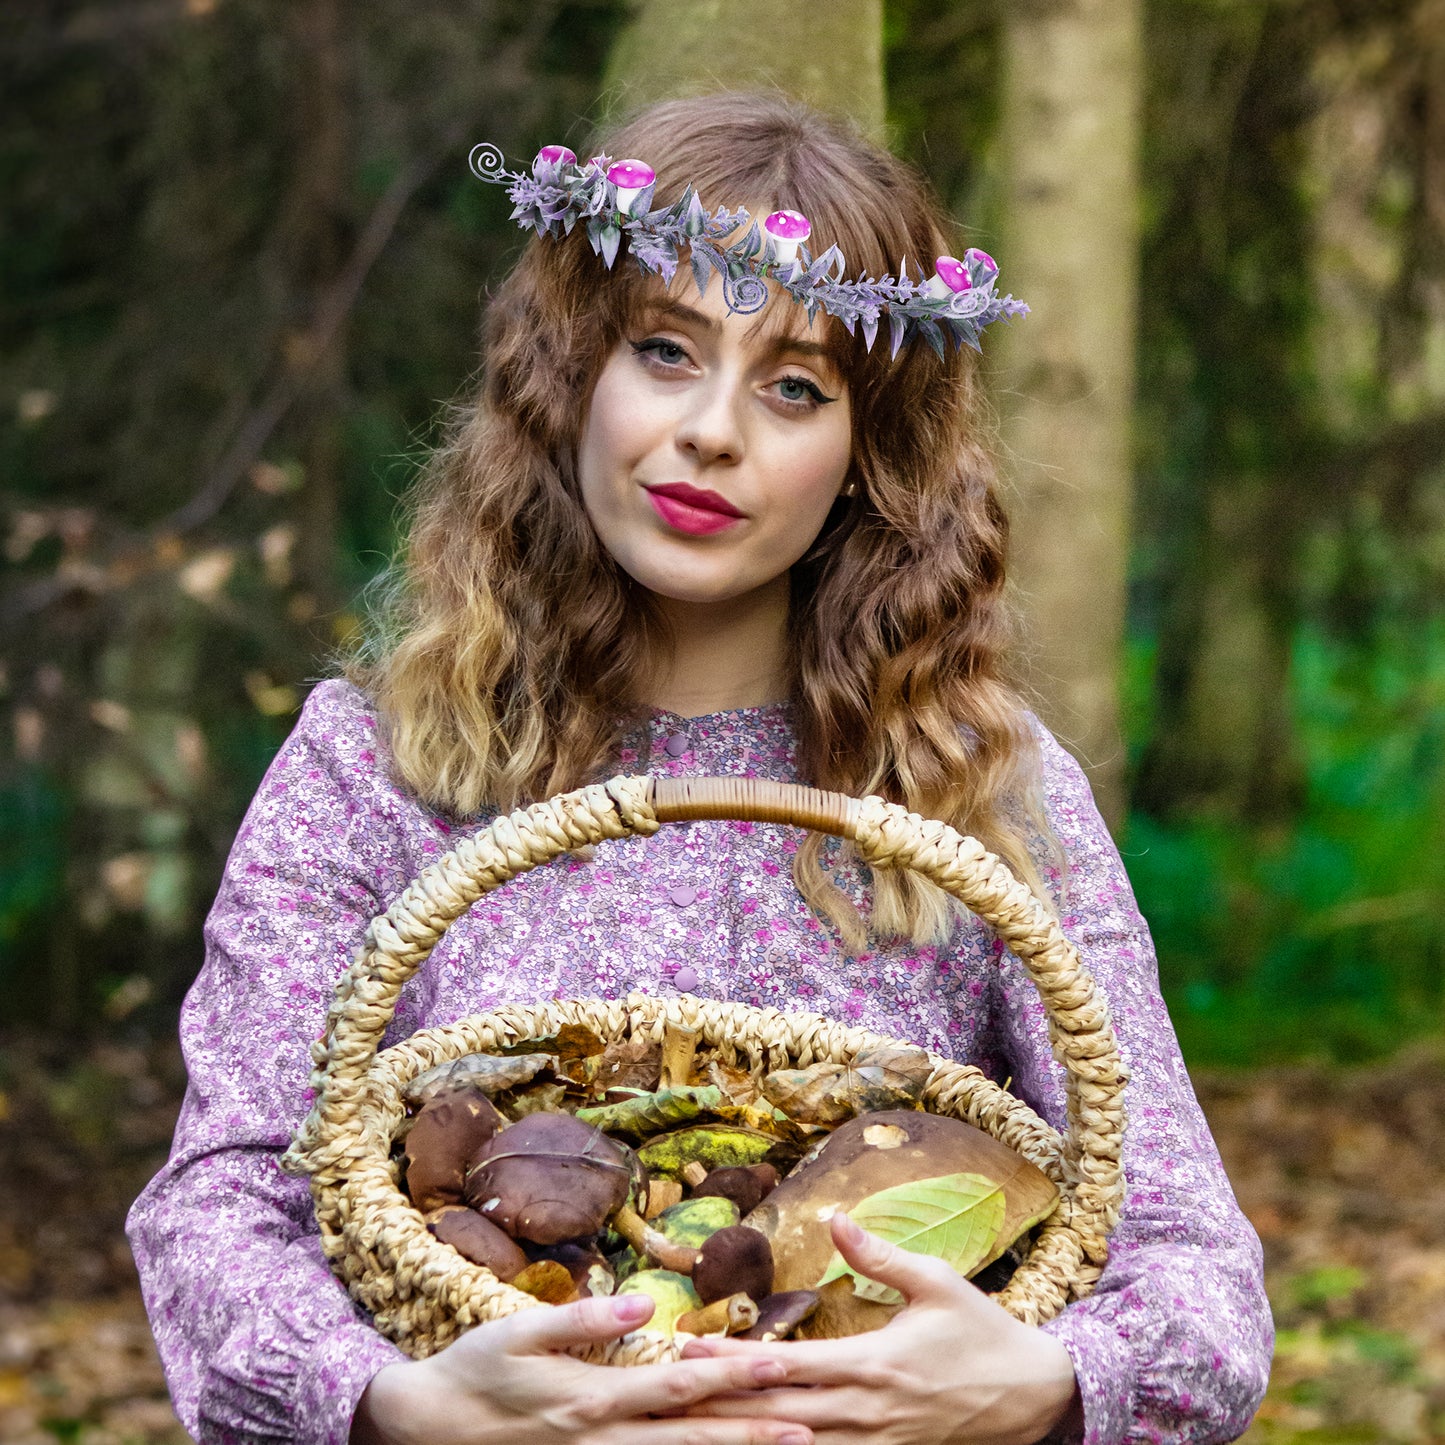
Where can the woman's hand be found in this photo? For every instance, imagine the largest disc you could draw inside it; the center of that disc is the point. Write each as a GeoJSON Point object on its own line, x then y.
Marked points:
{"type": "Point", "coordinates": [506, 1381]}
{"type": "Point", "coordinates": [952, 1367]}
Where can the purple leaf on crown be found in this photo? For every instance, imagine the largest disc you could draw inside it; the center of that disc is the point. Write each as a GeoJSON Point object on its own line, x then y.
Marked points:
{"type": "Point", "coordinates": [897, 329]}
{"type": "Point", "coordinates": [609, 239]}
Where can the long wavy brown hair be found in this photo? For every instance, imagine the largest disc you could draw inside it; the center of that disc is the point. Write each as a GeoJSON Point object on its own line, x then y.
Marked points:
{"type": "Point", "coordinates": [514, 652]}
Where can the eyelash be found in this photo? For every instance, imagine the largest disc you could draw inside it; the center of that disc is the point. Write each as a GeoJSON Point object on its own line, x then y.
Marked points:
{"type": "Point", "coordinates": [656, 344]}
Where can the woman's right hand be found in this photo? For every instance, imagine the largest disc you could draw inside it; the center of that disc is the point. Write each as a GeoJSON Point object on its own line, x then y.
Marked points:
{"type": "Point", "coordinates": [508, 1380]}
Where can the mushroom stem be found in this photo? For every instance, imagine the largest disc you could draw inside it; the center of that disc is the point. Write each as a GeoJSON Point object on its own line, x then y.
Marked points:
{"type": "Point", "coordinates": [729, 1316]}
{"type": "Point", "coordinates": [652, 1242]}
{"type": "Point", "coordinates": [694, 1172]}
{"type": "Point", "coordinates": [679, 1049]}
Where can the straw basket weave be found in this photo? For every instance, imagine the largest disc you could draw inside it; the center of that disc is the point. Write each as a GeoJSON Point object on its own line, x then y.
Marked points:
{"type": "Point", "coordinates": [422, 1294]}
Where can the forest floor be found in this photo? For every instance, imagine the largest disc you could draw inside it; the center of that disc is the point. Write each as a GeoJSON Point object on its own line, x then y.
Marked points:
{"type": "Point", "coordinates": [1342, 1172]}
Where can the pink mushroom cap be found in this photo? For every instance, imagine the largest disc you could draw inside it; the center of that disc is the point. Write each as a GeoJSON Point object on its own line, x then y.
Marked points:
{"type": "Point", "coordinates": [557, 156]}
{"type": "Point", "coordinates": [632, 175]}
{"type": "Point", "coordinates": [983, 259]}
{"type": "Point", "coordinates": [788, 226]}
{"type": "Point", "coordinates": [953, 273]}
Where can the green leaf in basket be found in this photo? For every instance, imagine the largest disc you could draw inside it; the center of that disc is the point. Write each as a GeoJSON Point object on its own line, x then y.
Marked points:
{"type": "Point", "coordinates": [647, 1114]}
{"type": "Point", "coordinates": [953, 1217]}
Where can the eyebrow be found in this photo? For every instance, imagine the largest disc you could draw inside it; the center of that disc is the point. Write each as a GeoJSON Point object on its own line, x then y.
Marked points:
{"type": "Point", "coordinates": [683, 312]}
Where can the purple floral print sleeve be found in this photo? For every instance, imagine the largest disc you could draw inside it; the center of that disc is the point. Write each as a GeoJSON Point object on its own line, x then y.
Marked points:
{"type": "Point", "coordinates": [259, 1340]}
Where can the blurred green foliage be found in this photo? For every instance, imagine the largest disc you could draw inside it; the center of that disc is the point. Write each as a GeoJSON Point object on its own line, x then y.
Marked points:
{"type": "Point", "coordinates": [187, 186]}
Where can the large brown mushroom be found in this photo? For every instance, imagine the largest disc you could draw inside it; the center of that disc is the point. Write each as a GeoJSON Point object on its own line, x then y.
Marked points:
{"type": "Point", "coordinates": [442, 1141]}
{"type": "Point", "coordinates": [549, 1178]}
{"type": "Point", "coordinates": [870, 1154]}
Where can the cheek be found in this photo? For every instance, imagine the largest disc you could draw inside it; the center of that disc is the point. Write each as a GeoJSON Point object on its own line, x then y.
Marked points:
{"type": "Point", "coordinates": [828, 460]}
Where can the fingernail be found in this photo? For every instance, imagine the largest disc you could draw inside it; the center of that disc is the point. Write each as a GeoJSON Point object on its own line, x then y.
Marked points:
{"type": "Point", "coordinates": [769, 1372]}
{"type": "Point", "coordinates": [629, 1308]}
{"type": "Point", "coordinates": [852, 1230]}
{"type": "Point", "coordinates": [795, 1437]}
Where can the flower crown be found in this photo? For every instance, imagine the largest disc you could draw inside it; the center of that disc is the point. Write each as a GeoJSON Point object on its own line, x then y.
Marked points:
{"type": "Point", "coordinates": [613, 197]}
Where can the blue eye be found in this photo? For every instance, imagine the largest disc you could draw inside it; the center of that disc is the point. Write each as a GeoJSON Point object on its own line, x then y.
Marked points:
{"type": "Point", "coordinates": [799, 392]}
{"type": "Point", "coordinates": [668, 353]}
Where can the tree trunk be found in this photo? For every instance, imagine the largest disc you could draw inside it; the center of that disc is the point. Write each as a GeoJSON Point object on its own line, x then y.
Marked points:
{"type": "Point", "coordinates": [1069, 127]}
{"type": "Point", "coordinates": [832, 59]}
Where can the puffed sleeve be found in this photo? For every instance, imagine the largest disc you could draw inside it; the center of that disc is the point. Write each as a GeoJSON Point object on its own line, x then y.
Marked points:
{"type": "Point", "coordinates": [258, 1338]}
{"type": "Point", "coordinates": [1175, 1342]}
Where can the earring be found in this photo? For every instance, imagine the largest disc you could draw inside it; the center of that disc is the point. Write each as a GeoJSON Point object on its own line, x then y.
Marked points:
{"type": "Point", "coordinates": [851, 490]}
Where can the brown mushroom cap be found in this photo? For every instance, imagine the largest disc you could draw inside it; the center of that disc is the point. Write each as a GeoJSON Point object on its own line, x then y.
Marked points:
{"type": "Point", "coordinates": [549, 1178]}
{"type": "Point", "coordinates": [875, 1152]}
{"type": "Point", "coordinates": [747, 1185]}
{"type": "Point", "coordinates": [780, 1314]}
{"type": "Point", "coordinates": [442, 1141]}
{"type": "Point", "coordinates": [478, 1240]}
{"type": "Point", "coordinates": [733, 1260]}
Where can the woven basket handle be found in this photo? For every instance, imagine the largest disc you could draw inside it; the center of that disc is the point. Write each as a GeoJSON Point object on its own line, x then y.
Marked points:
{"type": "Point", "coordinates": [885, 836]}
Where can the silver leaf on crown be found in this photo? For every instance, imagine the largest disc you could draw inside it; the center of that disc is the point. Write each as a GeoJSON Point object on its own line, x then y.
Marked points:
{"type": "Point", "coordinates": [612, 199]}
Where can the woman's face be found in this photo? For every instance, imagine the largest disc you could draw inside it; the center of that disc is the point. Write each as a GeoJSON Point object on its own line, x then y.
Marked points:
{"type": "Point", "coordinates": [713, 446]}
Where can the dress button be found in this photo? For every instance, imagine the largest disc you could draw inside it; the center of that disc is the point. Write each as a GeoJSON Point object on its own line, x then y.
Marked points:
{"type": "Point", "coordinates": [676, 745]}
{"type": "Point", "coordinates": [683, 895]}
{"type": "Point", "coordinates": [685, 978]}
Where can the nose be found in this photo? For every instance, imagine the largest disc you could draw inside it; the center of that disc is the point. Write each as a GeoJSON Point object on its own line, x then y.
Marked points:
{"type": "Point", "coordinates": [711, 428]}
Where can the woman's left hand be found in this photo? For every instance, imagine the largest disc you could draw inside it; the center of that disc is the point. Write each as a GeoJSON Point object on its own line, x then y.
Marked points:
{"type": "Point", "coordinates": [951, 1367]}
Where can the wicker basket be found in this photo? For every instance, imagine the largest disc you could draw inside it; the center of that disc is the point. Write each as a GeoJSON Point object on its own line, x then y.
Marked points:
{"type": "Point", "coordinates": [422, 1294]}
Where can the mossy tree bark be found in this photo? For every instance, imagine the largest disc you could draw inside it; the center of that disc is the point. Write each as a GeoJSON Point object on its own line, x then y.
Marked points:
{"type": "Point", "coordinates": [687, 47]}
{"type": "Point", "coordinates": [1070, 124]}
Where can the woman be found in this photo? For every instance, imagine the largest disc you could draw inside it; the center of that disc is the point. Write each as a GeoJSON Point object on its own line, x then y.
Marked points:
{"type": "Point", "coordinates": [668, 537]}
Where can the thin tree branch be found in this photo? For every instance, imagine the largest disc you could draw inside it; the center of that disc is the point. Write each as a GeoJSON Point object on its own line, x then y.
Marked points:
{"type": "Point", "coordinates": [337, 303]}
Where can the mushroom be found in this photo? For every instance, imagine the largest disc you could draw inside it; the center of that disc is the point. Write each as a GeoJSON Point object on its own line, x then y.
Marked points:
{"type": "Point", "coordinates": [631, 179]}
{"type": "Point", "coordinates": [730, 1315]}
{"type": "Point", "coordinates": [950, 276]}
{"type": "Point", "coordinates": [871, 1154]}
{"type": "Point", "coordinates": [746, 1185]}
{"type": "Point", "coordinates": [478, 1240]}
{"type": "Point", "coordinates": [785, 231]}
{"type": "Point", "coordinates": [734, 1259]}
{"type": "Point", "coordinates": [652, 1244]}
{"type": "Point", "coordinates": [549, 1178]}
{"type": "Point", "coordinates": [780, 1314]}
{"type": "Point", "coordinates": [550, 159]}
{"type": "Point", "coordinates": [443, 1139]}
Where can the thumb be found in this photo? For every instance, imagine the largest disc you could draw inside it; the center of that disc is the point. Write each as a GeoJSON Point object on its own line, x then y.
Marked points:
{"type": "Point", "coordinates": [585, 1322]}
{"type": "Point", "coordinates": [919, 1278]}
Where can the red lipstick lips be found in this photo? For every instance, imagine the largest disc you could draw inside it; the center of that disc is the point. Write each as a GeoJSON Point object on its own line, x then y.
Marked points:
{"type": "Point", "coordinates": [691, 509]}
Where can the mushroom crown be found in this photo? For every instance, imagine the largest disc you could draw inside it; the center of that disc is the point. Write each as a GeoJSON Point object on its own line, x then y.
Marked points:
{"type": "Point", "coordinates": [632, 174]}
{"type": "Point", "coordinates": [788, 226]}
{"type": "Point", "coordinates": [953, 273]}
